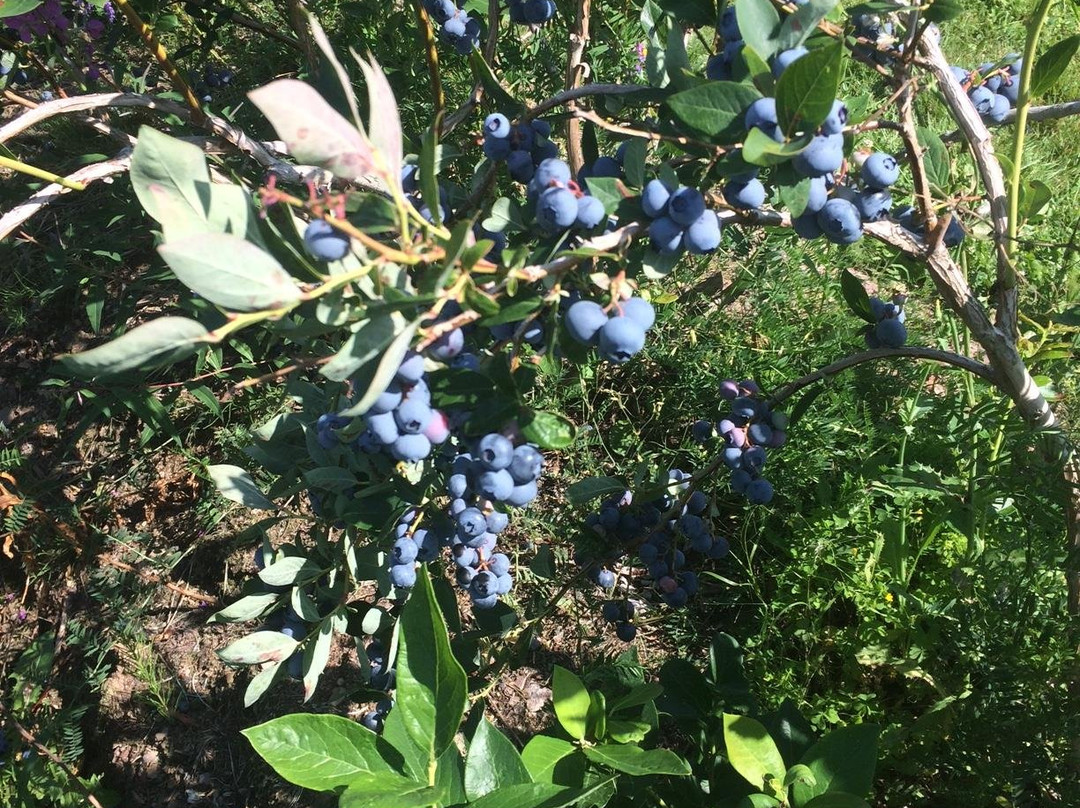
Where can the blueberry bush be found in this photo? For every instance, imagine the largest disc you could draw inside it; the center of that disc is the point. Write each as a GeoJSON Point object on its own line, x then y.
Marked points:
{"type": "Point", "coordinates": [439, 296]}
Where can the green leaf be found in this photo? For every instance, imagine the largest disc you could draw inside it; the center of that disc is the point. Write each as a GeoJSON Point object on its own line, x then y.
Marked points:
{"type": "Point", "coordinates": [596, 720]}
{"type": "Point", "coordinates": [314, 132]}
{"type": "Point", "coordinates": [170, 180]}
{"type": "Point", "coordinates": [331, 478]}
{"type": "Point", "coordinates": [571, 701]}
{"type": "Point", "coordinates": [389, 791]}
{"type": "Point", "coordinates": [538, 795]}
{"type": "Point", "coordinates": [855, 296]}
{"type": "Point", "coordinates": [320, 752]}
{"type": "Point", "coordinates": [376, 376]}
{"type": "Point", "coordinates": [316, 655]}
{"type": "Point", "coordinates": [547, 430]}
{"type": "Point", "coordinates": [593, 487]}
{"type": "Point", "coordinates": [384, 123]}
{"type": "Point", "coordinates": [761, 150]}
{"type": "Point", "coordinates": [751, 751]}
{"type": "Point", "coordinates": [236, 484]}
{"type": "Point", "coordinates": [758, 801]}
{"type": "Point", "coordinates": [792, 733]}
{"type": "Point", "coordinates": [836, 799]}
{"type": "Point", "coordinates": [627, 731]}
{"type": "Point", "coordinates": [363, 345]}
{"type": "Point", "coordinates": [13, 8]}
{"type": "Point", "coordinates": [795, 197]}
{"type": "Point", "coordinates": [432, 690]}
{"type": "Point", "coordinates": [429, 173]}
{"type": "Point", "coordinates": [638, 695]}
{"type": "Point", "coordinates": [230, 272]}
{"type": "Point", "coordinates": [609, 190]}
{"type": "Point", "coordinates": [632, 759]}
{"type": "Point", "coordinates": [261, 682]}
{"type": "Point", "coordinates": [634, 162]}
{"type": "Point", "coordinates": [844, 760]}
{"type": "Point", "coordinates": [289, 571]}
{"type": "Point", "coordinates": [1053, 64]}
{"type": "Point", "coordinates": [505, 215]}
{"type": "Point", "coordinates": [542, 754]}
{"type": "Point", "coordinates": [936, 158]}
{"type": "Point", "coordinates": [692, 12]}
{"type": "Point", "coordinates": [806, 90]}
{"type": "Point", "coordinates": [247, 608]}
{"type": "Point", "coordinates": [254, 649]}
{"type": "Point", "coordinates": [492, 762]}
{"type": "Point", "coordinates": [716, 108]}
{"type": "Point", "coordinates": [943, 10]}
{"type": "Point", "coordinates": [506, 103]}
{"type": "Point", "coordinates": [759, 24]}
{"type": "Point", "coordinates": [158, 342]}
{"type": "Point", "coordinates": [802, 22]}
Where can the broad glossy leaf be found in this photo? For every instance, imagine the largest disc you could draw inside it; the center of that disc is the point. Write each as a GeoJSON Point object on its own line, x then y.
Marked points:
{"type": "Point", "coordinates": [289, 571]}
{"type": "Point", "coordinates": [936, 158]}
{"type": "Point", "coordinates": [387, 791]}
{"type": "Point", "coordinates": [593, 487]}
{"type": "Point", "coordinates": [384, 125]}
{"type": "Point", "coordinates": [316, 655]}
{"type": "Point", "coordinates": [541, 755]}
{"type": "Point", "coordinates": [313, 130]}
{"type": "Point", "coordinates": [807, 89]}
{"type": "Point", "coordinates": [376, 375]}
{"type": "Point", "coordinates": [761, 150]}
{"type": "Point", "coordinates": [261, 682]}
{"type": "Point", "coordinates": [802, 22]}
{"type": "Point", "coordinates": [571, 701]}
{"type": "Point", "coordinates": [751, 751]}
{"type": "Point", "coordinates": [843, 760]}
{"type": "Point", "coordinates": [492, 762]}
{"type": "Point", "coordinates": [432, 689]}
{"type": "Point", "coordinates": [320, 752]}
{"type": "Point", "coordinates": [363, 345]}
{"type": "Point", "coordinates": [632, 759]}
{"type": "Point", "coordinates": [247, 608]}
{"type": "Point", "coordinates": [262, 646]}
{"type": "Point", "coordinates": [236, 484]}
{"type": "Point", "coordinates": [158, 342]}
{"type": "Point", "coordinates": [548, 430]}
{"type": "Point", "coordinates": [537, 795]}
{"type": "Point", "coordinates": [855, 296]}
{"type": "Point", "coordinates": [759, 23]}
{"type": "Point", "coordinates": [1053, 64]}
{"type": "Point", "coordinates": [230, 272]}
{"type": "Point", "coordinates": [716, 108]}
{"type": "Point", "coordinates": [13, 8]}
{"type": "Point", "coordinates": [167, 174]}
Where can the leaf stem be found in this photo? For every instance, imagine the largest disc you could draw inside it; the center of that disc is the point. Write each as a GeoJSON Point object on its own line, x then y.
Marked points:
{"type": "Point", "coordinates": [40, 173]}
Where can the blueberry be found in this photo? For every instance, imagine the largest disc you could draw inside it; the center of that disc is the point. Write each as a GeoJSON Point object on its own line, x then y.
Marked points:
{"type": "Point", "coordinates": [411, 448]}
{"type": "Point", "coordinates": [818, 195]}
{"type": "Point", "coordinates": [874, 205]}
{"type": "Point", "coordinates": [703, 236]}
{"type": "Point", "coordinates": [496, 485]}
{"type": "Point", "coordinates": [840, 222]}
{"type": "Point", "coordinates": [762, 115]}
{"type": "Point", "coordinates": [666, 236]}
{"type": "Point", "coordinates": [654, 198]}
{"type": "Point", "coordinates": [685, 206]}
{"type": "Point", "coordinates": [606, 579]}
{"type": "Point", "coordinates": [583, 321]}
{"type": "Point", "coordinates": [411, 369]}
{"type": "Point", "coordinates": [556, 209]}
{"type": "Point", "coordinates": [499, 564]}
{"type": "Point", "coordinates": [383, 427]}
{"type": "Point", "coordinates": [388, 400]}
{"type": "Point", "coordinates": [526, 465]}
{"type": "Point", "coordinates": [955, 233]}
{"type": "Point", "coordinates": [447, 346]}
{"type": "Point", "coordinates": [403, 576]}
{"type": "Point", "coordinates": [749, 194]}
{"type": "Point", "coordinates": [1001, 108]}
{"type": "Point", "coordinates": [759, 492]}
{"type": "Point", "coordinates": [620, 338]}
{"type": "Point", "coordinates": [702, 431]}
{"type": "Point", "coordinates": [626, 631]}
{"type": "Point", "coordinates": [520, 165]}
{"type": "Point", "coordinates": [891, 333]}
{"type": "Point", "coordinates": [495, 451]}
{"type": "Point", "coordinates": [497, 125]}
{"type": "Point", "coordinates": [522, 495]}
{"type": "Point", "coordinates": [640, 311]}
{"type": "Point", "coordinates": [551, 171]}
{"type": "Point", "coordinates": [471, 522]}
{"type": "Point", "coordinates": [836, 121]}
{"type": "Point", "coordinates": [825, 153]}
{"type": "Point", "coordinates": [729, 26]}
{"type": "Point", "coordinates": [982, 99]}
{"type": "Point", "coordinates": [324, 242]}
{"type": "Point", "coordinates": [497, 148]}
{"type": "Point", "coordinates": [880, 171]}
{"type": "Point", "coordinates": [538, 12]}
{"type": "Point", "coordinates": [590, 212]}
{"type": "Point", "coordinates": [405, 551]}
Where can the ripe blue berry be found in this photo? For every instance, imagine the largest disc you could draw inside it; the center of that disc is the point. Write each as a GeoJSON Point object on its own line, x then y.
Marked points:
{"type": "Point", "coordinates": [583, 321]}
{"type": "Point", "coordinates": [665, 236]}
{"type": "Point", "coordinates": [324, 242]}
{"type": "Point", "coordinates": [749, 194]}
{"type": "Point", "coordinates": [497, 125]}
{"type": "Point", "coordinates": [640, 311]}
{"type": "Point", "coordinates": [654, 198]}
{"type": "Point", "coordinates": [495, 451]}
{"type": "Point", "coordinates": [825, 153]}
{"type": "Point", "coordinates": [783, 60]}
{"type": "Point", "coordinates": [620, 339]}
{"type": "Point", "coordinates": [590, 212]}
{"type": "Point", "coordinates": [880, 171]}
{"type": "Point", "coordinates": [685, 206]}
{"type": "Point", "coordinates": [840, 222]}
{"type": "Point", "coordinates": [703, 236]}
{"type": "Point", "coordinates": [556, 209]}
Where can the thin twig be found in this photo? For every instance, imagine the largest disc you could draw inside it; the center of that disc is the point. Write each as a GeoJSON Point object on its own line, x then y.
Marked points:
{"type": "Point", "coordinates": [912, 351]}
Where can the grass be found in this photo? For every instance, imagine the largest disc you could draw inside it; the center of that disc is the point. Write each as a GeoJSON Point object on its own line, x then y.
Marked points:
{"type": "Point", "coordinates": [907, 574]}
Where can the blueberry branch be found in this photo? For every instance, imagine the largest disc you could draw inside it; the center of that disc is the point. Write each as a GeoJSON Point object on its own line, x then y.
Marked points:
{"type": "Point", "coordinates": [911, 351]}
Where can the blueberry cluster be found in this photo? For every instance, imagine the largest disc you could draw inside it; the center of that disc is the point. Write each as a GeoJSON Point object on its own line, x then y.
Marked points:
{"type": "Point", "coordinates": [824, 154]}
{"type": "Point", "coordinates": [324, 242]}
{"type": "Point", "coordinates": [523, 146]}
{"type": "Point", "coordinates": [211, 79]}
{"type": "Point", "coordinates": [879, 31]}
{"type": "Point", "coordinates": [994, 87]}
{"type": "Point", "coordinates": [603, 166]}
{"type": "Point", "coordinates": [460, 30]}
{"type": "Point", "coordinates": [617, 337]}
{"type": "Point", "coordinates": [495, 472]}
{"type": "Point", "coordinates": [748, 430]}
{"type": "Point", "coordinates": [560, 203]}
{"type": "Point", "coordinates": [908, 218]}
{"type": "Point", "coordinates": [373, 719]}
{"type": "Point", "coordinates": [621, 613]}
{"type": "Point", "coordinates": [531, 12]}
{"type": "Point", "coordinates": [841, 217]}
{"type": "Point", "coordinates": [402, 421]}
{"type": "Point", "coordinates": [661, 547]}
{"type": "Point", "coordinates": [889, 330]}
{"type": "Point", "coordinates": [680, 220]}
{"type": "Point", "coordinates": [412, 545]}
